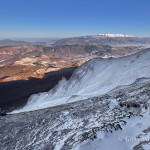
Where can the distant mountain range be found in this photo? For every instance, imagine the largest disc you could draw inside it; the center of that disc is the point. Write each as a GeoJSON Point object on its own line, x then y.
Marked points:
{"type": "Point", "coordinates": [104, 39]}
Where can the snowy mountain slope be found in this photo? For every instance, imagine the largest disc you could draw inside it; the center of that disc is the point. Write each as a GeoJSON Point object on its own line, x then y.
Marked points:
{"type": "Point", "coordinates": [118, 120]}
{"type": "Point", "coordinates": [95, 77]}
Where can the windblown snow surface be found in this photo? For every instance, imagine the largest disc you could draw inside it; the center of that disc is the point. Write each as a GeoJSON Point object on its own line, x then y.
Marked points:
{"type": "Point", "coordinates": [93, 78]}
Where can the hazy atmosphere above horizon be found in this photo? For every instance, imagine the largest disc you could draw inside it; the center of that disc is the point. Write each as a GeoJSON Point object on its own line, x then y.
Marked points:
{"type": "Point", "coordinates": [69, 18]}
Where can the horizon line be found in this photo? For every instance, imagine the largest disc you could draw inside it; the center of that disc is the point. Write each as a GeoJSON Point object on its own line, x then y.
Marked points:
{"type": "Point", "coordinates": [6, 38]}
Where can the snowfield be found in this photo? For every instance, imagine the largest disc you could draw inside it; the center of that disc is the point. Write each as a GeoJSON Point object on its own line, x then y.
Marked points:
{"type": "Point", "coordinates": [95, 77]}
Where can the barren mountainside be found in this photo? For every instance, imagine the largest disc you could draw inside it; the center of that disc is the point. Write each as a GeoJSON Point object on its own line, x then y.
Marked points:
{"type": "Point", "coordinates": [22, 62]}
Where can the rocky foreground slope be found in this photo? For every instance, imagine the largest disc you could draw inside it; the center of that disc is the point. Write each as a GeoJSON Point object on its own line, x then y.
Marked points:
{"type": "Point", "coordinates": [118, 120]}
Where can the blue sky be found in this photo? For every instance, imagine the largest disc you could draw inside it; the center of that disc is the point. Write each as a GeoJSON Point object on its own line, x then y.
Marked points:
{"type": "Point", "coordinates": [67, 18]}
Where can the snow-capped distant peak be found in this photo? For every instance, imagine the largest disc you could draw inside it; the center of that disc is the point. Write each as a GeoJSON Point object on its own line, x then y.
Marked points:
{"type": "Point", "coordinates": [114, 35]}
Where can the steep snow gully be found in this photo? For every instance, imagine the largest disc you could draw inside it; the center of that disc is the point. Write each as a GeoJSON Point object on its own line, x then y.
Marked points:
{"type": "Point", "coordinates": [95, 77]}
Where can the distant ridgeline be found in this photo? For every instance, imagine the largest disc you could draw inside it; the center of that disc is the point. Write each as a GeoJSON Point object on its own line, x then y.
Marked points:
{"type": "Point", "coordinates": [105, 39]}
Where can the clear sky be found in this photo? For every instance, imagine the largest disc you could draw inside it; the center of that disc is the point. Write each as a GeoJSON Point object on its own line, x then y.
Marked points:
{"type": "Point", "coordinates": [67, 18]}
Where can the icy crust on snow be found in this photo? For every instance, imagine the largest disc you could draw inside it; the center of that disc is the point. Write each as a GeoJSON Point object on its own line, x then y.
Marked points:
{"type": "Point", "coordinates": [95, 77]}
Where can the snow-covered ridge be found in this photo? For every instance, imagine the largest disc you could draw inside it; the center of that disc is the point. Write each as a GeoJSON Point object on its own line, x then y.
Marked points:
{"type": "Point", "coordinates": [95, 77]}
{"type": "Point", "coordinates": [114, 35]}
